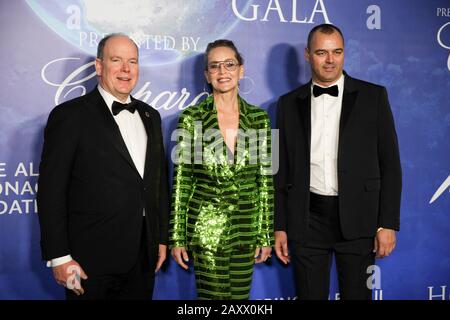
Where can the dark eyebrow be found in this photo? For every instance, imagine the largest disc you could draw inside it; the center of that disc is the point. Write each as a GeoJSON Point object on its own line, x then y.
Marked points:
{"type": "Point", "coordinates": [229, 59]}
{"type": "Point", "coordinates": [121, 58]}
{"type": "Point", "coordinates": [333, 50]}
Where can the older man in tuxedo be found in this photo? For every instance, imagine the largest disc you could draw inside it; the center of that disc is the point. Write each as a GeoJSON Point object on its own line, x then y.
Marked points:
{"type": "Point", "coordinates": [103, 194]}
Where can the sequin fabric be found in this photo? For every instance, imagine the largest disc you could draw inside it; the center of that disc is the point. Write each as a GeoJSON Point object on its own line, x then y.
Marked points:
{"type": "Point", "coordinates": [221, 201]}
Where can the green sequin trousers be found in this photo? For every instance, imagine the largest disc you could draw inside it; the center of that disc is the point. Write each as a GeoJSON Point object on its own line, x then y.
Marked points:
{"type": "Point", "coordinates": [224, 275]}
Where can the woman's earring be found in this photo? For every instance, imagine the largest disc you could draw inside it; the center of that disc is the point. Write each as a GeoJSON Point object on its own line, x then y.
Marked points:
{"type": "Point", "coordinates": [245, 86]}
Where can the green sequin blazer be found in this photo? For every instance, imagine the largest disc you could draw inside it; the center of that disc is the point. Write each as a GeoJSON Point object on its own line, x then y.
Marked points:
{"type": "Point", "coordinates": [221, 200]}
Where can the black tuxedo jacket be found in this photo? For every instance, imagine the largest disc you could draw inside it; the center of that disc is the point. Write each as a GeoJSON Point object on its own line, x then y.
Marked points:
{"type": "Point", "coordinates": [369, 172]}
{"type": "Point", "coordinates": [91, 197]}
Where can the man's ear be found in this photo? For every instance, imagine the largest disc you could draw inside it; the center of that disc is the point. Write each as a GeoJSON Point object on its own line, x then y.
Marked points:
{"type": "Point", "coordinates": [307, 54]}
{"type": "Point", "coordinates": [98, 67]}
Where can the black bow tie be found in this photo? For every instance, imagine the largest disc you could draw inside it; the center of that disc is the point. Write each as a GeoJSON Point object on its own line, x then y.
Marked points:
{"type": "Point", "coordinates": [117, 107]}
{"type": "Point", "coordinates": [332, 91]}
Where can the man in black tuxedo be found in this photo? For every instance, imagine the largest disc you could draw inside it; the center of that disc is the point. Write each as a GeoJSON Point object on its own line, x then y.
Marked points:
{"type": "Point", "coordinates": [339, 181]}
{"type": "Point", "coordinates": [103, 194]}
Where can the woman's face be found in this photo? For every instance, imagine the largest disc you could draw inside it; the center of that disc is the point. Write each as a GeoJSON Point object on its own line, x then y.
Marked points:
{"type": "Point", "coordinates": [223, 70]}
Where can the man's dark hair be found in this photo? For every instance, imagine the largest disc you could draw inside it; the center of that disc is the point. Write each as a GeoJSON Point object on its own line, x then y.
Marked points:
{"type": "Point", "coordinates": [223, 43]}
{"type": "Point", "coordinates": [324, 28]}
{"type": "Point", "coordinates": [102, 43]}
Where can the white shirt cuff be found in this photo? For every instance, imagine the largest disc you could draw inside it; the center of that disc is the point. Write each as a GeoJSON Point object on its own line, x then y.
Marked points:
{"type": "Point", "coordinates": [59, 261]}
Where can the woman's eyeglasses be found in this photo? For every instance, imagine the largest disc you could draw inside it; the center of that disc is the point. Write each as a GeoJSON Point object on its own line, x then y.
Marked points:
{"type": "Point", "coordinates": [229, 65]}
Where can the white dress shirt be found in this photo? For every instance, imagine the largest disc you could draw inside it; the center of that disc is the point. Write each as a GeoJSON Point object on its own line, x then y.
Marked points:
{"type": "Point", "coordinates": [325, 119]}
{"type": "Point", "coordinates": [133, 133]}
{"type": "Point", "coordinates": [132, 130]}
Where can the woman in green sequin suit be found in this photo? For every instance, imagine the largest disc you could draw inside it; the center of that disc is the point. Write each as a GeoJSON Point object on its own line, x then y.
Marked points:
{"type": "Point", "coordinates": [222, 206]}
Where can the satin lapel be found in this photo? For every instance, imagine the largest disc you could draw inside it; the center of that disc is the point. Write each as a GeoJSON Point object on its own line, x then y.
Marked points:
{"type": "Point", "coordinates": [213, 140]}
{"type": "Point", "coordinates": [147, 120]}
{"type": "Point", "coordinates": [304, 107]}
{"type": "Point", "coordinates": [348, 103]}
{"type": "Point", "coordinates": [109, 127]}
{"type": "Point", "coordinates": [241, 155]}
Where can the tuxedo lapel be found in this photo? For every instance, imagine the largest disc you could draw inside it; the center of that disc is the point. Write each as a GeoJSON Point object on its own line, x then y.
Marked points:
{"type": "Point", "coordinates": [215, 150]}
{"type": "Point", "coordinates": [110, 128]}
{"type": "Point", "coordinates": [245, 138]}
{"type": "Point", "coordinates": [348, 103]}
{"type": "Point", "coordinates": [304, 107]}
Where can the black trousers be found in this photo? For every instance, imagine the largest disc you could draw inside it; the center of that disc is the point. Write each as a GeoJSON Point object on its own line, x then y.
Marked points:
{"type": "Point", "coordinates": [312, 261]}
{"type": "Point", "coordinates": [136, 284]}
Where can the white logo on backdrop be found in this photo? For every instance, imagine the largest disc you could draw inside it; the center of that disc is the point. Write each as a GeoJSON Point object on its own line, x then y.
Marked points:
{"type": "Point", "coordinates": [67, 82]}
{"type": "Point", "coordinates": [165, 31]}
{"type": "Point", "coordinates": [275, 9]}
{"type": "Point", "coordinates": [438, 293]}
{"type": "Point", "coordinates": [165, 100]}
{"type": "Point", "coordinates": [441, 43]}
{"type": "Point", "coordinates": [444, 186]}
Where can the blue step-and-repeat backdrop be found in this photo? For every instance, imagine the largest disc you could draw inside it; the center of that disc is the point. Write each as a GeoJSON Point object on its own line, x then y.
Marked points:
{"type": "Point", "coordinates": [48, 49]}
